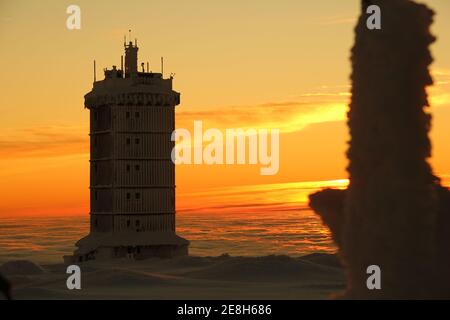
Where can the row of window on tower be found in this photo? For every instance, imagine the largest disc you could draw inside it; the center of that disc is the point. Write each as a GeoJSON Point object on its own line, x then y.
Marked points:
{"type": "Point", "coordinates": [136, 141]}
{"type": "Point", "coordinates": [128, 141]}
{"type": "Point", "coordinates": [128, 115]}
{"type": "Point", "coordinates": [137, 115]}
{"type": "Point", "coordinates": [137, 167]}
{"type": "Point", "coordinates": [137, 195]}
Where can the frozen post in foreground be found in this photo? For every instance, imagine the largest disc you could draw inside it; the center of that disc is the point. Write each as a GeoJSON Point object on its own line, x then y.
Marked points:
{"type": "Point", "coordinates": [394, 213]}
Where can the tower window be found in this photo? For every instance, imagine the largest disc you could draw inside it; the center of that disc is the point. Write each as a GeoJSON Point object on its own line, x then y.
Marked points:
{"type": "Point", "coordinates": [95, 195]}
{"type": "Point", "coordinates": [137, 140]}
{"type": "Point", "coordinates": [137, 114]}
{"type": "Point", "coordinates": [128, 140]}
{"type": "Point", "coordinates": [137, 167]}
{"type": "Point", "coordinates": [95, 115]}
{"type": "Point", "coordinates": [138, 195]}
{"type": "Point", "coordinates": [127, 114]}
{"type": "Point", "coordinates": [128, 196]}
{"type": "Point", "coordinates": [128, 168]}
{"type": "Point", "coordinates": [128, 223]}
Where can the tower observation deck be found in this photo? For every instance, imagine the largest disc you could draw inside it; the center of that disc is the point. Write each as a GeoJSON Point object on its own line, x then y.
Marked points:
{"type": "Point", "coordinates": [132, 176]}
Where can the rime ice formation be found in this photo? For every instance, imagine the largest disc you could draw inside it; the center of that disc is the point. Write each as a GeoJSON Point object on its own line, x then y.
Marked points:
{"type": "Point", "coordinates": [394, 214]}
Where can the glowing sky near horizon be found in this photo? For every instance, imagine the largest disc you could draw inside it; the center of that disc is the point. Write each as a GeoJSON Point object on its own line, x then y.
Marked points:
{"type": "Point", "coordinates": [254, 63]}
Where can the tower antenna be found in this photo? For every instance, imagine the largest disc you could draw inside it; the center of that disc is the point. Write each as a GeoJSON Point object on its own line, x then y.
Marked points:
{"type": "Point", "coordinates": [121, 64]}
{"type": "Point", "coordinates": [162, 66]}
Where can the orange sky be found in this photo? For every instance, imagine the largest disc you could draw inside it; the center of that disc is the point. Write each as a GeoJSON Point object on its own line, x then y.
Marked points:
{"type": "Point", "coordinates": [252, 64]}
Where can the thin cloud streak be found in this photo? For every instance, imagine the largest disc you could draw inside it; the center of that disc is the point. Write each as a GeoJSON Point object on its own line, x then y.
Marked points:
{"type": "Point", "coordinates": [289, 116]}
{"type": "Point", "coordinates": [43, 141]}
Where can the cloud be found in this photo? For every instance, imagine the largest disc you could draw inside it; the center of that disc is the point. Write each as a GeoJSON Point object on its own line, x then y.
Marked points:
{"type": "Point", "coordinates": [327, 104]}
{"type": "Point", "coordinates": [440, 91]}
{"type": "Point", "coordinates": [288, 116]}
{"type": "Point", "coordinates": [43, 141]}
{"type": "Point", "coordinates": [290, 196]}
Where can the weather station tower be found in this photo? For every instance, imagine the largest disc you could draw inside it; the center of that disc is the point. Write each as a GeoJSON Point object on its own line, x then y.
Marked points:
{"type": "Point", "coordinates": [132, 176]}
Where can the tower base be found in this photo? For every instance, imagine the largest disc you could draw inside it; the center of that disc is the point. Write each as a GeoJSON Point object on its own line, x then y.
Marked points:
{"type": "Point", "coordinates": [138, 246]}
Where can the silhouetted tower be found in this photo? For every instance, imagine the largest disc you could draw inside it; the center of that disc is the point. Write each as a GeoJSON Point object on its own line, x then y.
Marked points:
{"type": "Point", "coordinates": [132, 176]}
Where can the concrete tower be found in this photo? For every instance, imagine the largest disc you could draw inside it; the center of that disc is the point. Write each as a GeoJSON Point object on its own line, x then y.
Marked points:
{"type": "Point", "coordinates": [132, 182]}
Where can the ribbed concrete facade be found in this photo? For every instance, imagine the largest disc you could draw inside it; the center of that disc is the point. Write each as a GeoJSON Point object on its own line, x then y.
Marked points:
{"type": "Point", "coordinates": [132, 176]}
